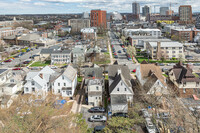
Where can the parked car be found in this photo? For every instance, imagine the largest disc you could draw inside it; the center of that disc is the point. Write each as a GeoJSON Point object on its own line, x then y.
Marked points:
{"type": "Point", "coordinates": [119, 51]}
{"type": "Point", "coordinates": [161, 64]}
{"type": "Point", "coordinates": [145, 113]}
{"type": "Point", "coordinates": [115, 56]}
{"type": "Point", "coordinates": [196, 64]}
{"type": "Point", "coordinates": [98, 128]}
{"type": "Point", "coordinates": [120, 114]}
{"type": "Point", "coordinates": [165, 69]}
{"type": "Point", "coordinates": [150, 126]}
{"type": "Point", "coordinates": [98, 118]}
{"type": "Point", "coordinates": [134, 70]}
{"type": "Point", "coordinates": [26, 62]}
{"type": "Point", "coordinates": [18, 68]}
{"type": "Point", "coordinates": [8, 60]}
{"type": "Point", "coordinates": [171, 64]}
{"type": "Point", "coordinates": [2, 63]}
{"type": "Point", "coordinates": [96, 109]}
{"type": "Point", "coordinates": [54, 67]}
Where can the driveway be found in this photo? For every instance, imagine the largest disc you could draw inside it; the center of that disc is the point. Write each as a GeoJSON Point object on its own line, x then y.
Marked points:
{"type": "Point", "coordinates": [86, 116]}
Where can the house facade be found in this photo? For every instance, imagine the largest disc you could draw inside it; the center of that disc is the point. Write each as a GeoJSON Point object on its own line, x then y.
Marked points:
{"type": "Point", "coordinates": [61, 57]}
{"type": "Point", "coordinates": [38, 82]}
{"type": "Point", "coordinates": [120, 88]}
{"type": "Point", "coordinates": [184, 82]}
{"type": "Point", "coordinates": [95, 88]}
{"type": "Point", "coordinates": [65, 83]}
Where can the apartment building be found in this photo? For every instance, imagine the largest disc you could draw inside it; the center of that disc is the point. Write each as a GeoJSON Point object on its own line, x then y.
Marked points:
{"type": "Point", "coordinates": [185, 34]}
{"type": "Point", "coordinates": [88, 34]}
{"type": "Point", "coordinates": [78, 24]}
{"type": "Point", "coordinates": [167, 50]}
{"type": "Point", "coordinates": [98, 18]}
{"type": "Point", "coordinates": [185, 14]}
{"type": "Point", "coordinates": [139, 32]}
{"type": "Point", "coordinates": [61, 57]}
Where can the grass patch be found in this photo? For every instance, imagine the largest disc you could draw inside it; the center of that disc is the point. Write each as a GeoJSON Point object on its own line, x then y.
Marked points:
{"type": "Point", "coordinates": [80, 79]}
{"type": "Point", "coordinates": [140, 59]}
{"type": "Point", "coordinates": [165, 75]}
{"type": "Point", "coordinates": [107, 53]}
{"type": "Point", "coordinates": [101, 62]}
{"type": "Point", "coordinates": [40, 64]}
{"type": "Point", "coordinates": [106, 77]}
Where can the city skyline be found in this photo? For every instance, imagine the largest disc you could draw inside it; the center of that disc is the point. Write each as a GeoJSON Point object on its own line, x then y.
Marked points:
{"type": "Point", "coordinates": [79, 6]}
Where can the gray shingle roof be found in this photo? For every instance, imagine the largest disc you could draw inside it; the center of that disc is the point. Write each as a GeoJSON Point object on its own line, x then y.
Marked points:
{"type": "Point", "coordinates": [61, 52]}
{"type": "Point", "coordinates": [3, 70]}
{"type": "Point", "coordinates": [118, 100]}
{"type": "Point", "coordinates": [93, 72]}
{"type": "Point", "coordinates": [70, 73]}
{"type": "Point", "coordinates": [112, 71]}
{"type": "Point", "coordinates": [29, 37]}
{"type": "Point", "coordinates": [46, 51]}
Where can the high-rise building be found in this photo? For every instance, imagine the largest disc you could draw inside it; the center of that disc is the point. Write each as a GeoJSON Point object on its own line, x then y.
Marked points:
{"type": "Point", "coordinates": [78, 24]}
{"type": "Point", "coordinates": [197, 25]}
{"type": "Point", "coordinates": [185, 13]}
{"type": "Point", "coordinates": [163, 10]}
{"type": "Point", "coordinates": [145, 10]}
{"type": "Point", "coordinates": [135, 8]}
{"type": "Point", "coordinates": [98, 18]}
{"type": "Point", "coordinates": [85, 15]}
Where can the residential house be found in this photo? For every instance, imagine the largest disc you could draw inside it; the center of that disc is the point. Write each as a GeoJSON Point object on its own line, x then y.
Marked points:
{"type": "Point", "coordinates": [65, 83]}
{"type": "Point", "coordinates": [185, 83]}
{"type": "Point", "coordinates": [46, 52]}
{"type": "Point", "coordinates": [166, 50]}
{"type": "Point", "coordinates": [61, 57]}
{"type": "Point", "coordinates": [89, 34]}
{"type": "Point", "coordinates": [27, 39]}
{"type": "Point", "coordinates": [78, 55]}
{"type": "Point", "coordinates": [94, 72]}
{"type": "Point", "coordinates": [95, 89]}
{"type": "Point", "coordinates": [120, 87]}
{"type": "Point", "coordinates": [37, 82]}
{"type": "Point", "coordinates": [92, 53]}
{"type": "Point", "coordinates": [150, 78]}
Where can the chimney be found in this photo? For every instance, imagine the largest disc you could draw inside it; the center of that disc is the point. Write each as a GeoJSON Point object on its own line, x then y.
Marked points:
{"type": "Point", "coordinates": [119, 71]}
{"type": "Point", "coordinates": [41, 75]}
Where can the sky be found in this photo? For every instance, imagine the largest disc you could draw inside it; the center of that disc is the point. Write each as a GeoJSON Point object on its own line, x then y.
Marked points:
{"type": "Point", "coordinates": [79, 6]}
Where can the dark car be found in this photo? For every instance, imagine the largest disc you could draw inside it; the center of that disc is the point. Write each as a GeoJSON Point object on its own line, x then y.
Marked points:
{"type": "Point", "coordinates": [120, 114]}
{"type": "Point", "coordinates": [26, 62]}
{"type": "Point", "coordinates": [115, 56]}
{"type": "Point", "coordinates": [119, 51]}
{"type": "Point", "coordinates": [98, 128]}
{"type": "Point", "coordinates": [96, 109]}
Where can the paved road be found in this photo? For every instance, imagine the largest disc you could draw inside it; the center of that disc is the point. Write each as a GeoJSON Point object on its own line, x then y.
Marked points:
{"type": "Point", "coordinates": [122, 58]}
{"type": "Point", "coordinates": [21, 59]}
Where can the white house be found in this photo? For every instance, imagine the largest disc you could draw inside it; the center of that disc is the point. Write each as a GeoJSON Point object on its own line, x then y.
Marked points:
{"type": "Point", "coordinates": [120, 88]}
{"type": "Point", "coordinates": [95, 92]}
{"type": "Point", "coordinates": [38, 82]}
{"type": "Point", "coordinates": [65, 83]}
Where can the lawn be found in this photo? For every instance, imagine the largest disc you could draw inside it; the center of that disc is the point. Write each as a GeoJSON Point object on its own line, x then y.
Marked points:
{"type": "Point", "coordinates": [140, 59]}
{"type": "Point", "coordinates": [80, 79]}
{"type": "Point", "coordinates": [165, 75]}
{"type": "Point", "coordinates": [40, 64]}
{"type": "Point", "coordinates": [102, 62]}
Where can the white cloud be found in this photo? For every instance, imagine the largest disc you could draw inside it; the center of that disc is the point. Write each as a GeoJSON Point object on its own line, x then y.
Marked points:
{"type": "Point", "coordinates": [25, 0]}
{"type": "Point", "coordinates": [39, 4]}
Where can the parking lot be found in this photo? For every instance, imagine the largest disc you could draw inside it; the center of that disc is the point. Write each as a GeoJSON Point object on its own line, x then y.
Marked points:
{"type": "Point", "coordinates": [86, 116]}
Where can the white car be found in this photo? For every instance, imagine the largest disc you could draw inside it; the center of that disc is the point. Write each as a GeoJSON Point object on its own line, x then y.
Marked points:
{"type": "Point", "coordinates": [145, 113]}
{"type": "Point", "coordinates": [150, 126]}
{"type": "Point", "coordinates": [98, 118]}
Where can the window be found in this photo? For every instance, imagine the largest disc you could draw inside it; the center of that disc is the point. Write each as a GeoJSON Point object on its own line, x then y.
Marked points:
{"type": "Point", "coordinates": [27, 89]}
{"type": "Point", "coordinates": [158, 83]}
{"type": "Point", "coordinates": [58, 84]}
{"type": "Point", "coordinates": [180, 51]}
{"type": "Point", "coordinates": [197, 83]}
{"type": "Point", "coordinates": [166, 47]}
{"type": "Point", "coordinates": [2, 78]}
{"type": "Point", "coordinates": [97, 88]}
{"type": "Point", "coordinates": [58, 90]}
{"type": "Point", "coordinates": [173, 48]}
{"type": "Point", "coordinates": [174, 52]}
{"type": "Point", "coordinates": [63, 77]}
{"type": "Point", "coordinates": [184, 90]}
{"type": "Point", "coordinates": [32, 83]}
{"type": "Point", "coordinates": [64, 84]}
{"type": "Point", "coordinates": [180, 47]}
{"type": "Point", "coordinates": [96, 97]}
{"type": "Point", "coordinates": [33, 89]}
{"type": "Point", "coordinates": [2, 89]}
{"type": "Point", "coordinates": [121, 83]}
{"type": "Point", "coordinates": [124, 89]}
{"type": "Point", "coordinates": [117, 89]}
{"type": "Point", "coordinates": [12, 80]}
{"type": "Point", "coordinates": [167, 51]}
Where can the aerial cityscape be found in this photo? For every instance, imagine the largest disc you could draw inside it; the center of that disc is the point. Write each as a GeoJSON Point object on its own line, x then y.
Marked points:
{"type": "Point", "coordinates": [99, 66]}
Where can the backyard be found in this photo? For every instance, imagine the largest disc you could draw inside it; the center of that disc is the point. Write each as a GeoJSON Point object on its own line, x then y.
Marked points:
{"type": "Point", "coordinates": [40, 64]}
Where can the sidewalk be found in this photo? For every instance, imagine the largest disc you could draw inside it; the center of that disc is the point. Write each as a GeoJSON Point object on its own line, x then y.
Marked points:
{"type": "Point", "coordinates": [110, 52]}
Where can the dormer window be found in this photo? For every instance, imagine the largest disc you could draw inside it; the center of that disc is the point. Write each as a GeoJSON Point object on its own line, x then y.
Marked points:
{"type": "Point", "coordinates": [197, 83]}
{"type": "Point", "coordinates": [32, 83]}
{"type": "Point", "coordinates": [117, 89]}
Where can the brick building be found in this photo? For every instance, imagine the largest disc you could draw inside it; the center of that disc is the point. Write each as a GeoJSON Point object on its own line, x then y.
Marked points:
{"type": "Point", "coordinates": [98, 18]}
{"type": "Point", "coordinates": [185, 34]}
{"type": "Point", "coordinates": [185, 14]}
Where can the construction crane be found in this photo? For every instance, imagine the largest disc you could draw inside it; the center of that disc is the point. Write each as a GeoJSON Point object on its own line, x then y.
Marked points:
{"type": "Point", "coordinates": [170, 10]}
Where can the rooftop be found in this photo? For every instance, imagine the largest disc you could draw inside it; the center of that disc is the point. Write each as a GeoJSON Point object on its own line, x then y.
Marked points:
{"type": "Point", "coordinates": [166, 44]}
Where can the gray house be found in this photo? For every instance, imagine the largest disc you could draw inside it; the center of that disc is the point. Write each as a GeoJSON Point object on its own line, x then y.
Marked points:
{"type": "Point", "coordinates": [61, 57]}
{"type": "Point", "coordinates": [78, 54]}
